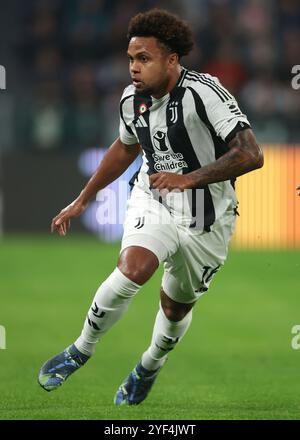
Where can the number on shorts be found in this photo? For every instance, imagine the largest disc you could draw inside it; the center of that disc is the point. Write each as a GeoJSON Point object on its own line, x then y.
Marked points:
{"type": "Point", "coordinates": [208, 273]}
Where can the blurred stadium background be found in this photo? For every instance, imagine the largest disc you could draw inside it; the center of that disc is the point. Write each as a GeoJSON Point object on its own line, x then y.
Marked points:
{"type": "Point", "coordinates": [66, 67]}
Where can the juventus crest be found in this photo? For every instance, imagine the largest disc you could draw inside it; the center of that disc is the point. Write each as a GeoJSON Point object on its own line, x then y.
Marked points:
{"type": "Point", "coordinates": [173, 108]}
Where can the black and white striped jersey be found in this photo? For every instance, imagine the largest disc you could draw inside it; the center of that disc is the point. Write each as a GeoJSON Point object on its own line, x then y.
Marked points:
{"type": "Point", "coordinates": [184, 130]}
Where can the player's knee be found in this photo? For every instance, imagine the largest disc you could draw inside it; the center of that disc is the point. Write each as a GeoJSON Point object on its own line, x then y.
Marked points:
{"type": "Point", "coordinates": [138, 264]}
{"type": "Point", "coordinates": [174, 314]}
{"type": "Point", "coordinates": [133, 274]}
{"type": "Point", "coordinates": [173, 310]}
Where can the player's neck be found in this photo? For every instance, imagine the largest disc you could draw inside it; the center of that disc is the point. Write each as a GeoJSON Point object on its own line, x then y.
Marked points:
{"type": "Point", "coordinates": [172, 83]}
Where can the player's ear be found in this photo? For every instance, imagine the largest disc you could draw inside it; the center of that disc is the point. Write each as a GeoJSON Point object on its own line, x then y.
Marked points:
{"type": "Point", "coordinates": [173, 59]}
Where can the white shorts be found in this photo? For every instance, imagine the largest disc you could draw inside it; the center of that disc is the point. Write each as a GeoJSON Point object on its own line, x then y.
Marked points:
{"type": "Point", "coordinates": [191, 258]}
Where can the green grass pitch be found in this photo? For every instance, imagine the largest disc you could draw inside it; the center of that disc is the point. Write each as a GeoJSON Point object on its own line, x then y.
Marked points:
{"type": "Point", "coordinates": [235, 362]}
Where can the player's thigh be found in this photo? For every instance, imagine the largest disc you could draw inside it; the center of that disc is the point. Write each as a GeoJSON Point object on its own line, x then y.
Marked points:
{"type": "Point", "coordinates": [149, 225]}
{"type": "Point", "coordinates": [189, 272]}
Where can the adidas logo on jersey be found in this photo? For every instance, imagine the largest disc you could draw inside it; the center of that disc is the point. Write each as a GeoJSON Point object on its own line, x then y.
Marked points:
{"type": "Point", "coordinates": [140, 122]}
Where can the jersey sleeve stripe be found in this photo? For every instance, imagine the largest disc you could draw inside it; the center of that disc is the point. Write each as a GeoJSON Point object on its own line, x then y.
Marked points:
{"type": "Point", "coordinates": [121, 114]}
{"type": "Point", "coordinates": [220, 95]}
{"type": "Point", "coordinates": [208, 85]}
{"type": "Point", "coordinates": [219, 86]}
{"type": "Point", "coordinates": [212, 84]}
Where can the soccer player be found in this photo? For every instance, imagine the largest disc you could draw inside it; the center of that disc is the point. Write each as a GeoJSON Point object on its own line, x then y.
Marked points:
{"type": "Point", "coordinates": [195, 141]}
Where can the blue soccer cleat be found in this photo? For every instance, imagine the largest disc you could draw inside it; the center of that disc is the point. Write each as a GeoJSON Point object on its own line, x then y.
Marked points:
{"type": "Point", "coordinates": [136, 386]}
{"type": "Point", "coordinates": [57, 369]}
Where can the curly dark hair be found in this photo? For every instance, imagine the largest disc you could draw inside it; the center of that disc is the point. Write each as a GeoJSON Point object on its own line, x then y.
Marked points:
{"type": "Point", "coordinates": [172, 32]}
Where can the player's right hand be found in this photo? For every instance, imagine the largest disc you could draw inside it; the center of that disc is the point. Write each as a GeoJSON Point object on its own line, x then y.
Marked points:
{"type": "Point", "coordinates": [61, 223]}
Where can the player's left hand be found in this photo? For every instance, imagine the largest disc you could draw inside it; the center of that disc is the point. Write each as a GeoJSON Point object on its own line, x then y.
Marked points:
{"type": "Point", "coordinates": [170, 181]}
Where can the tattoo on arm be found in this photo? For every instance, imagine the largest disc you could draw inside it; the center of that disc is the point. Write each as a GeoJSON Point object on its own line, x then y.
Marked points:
{"type": "Point", "coordinates": [244, 155]}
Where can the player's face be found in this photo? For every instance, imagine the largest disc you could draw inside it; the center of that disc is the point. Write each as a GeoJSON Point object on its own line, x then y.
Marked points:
{"type": "Point", "coordinates": [150, 66]}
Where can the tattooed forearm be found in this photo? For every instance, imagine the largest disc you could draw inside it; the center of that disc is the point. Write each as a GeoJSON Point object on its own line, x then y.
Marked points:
{"type": "Point", "coordinates": [244, 156]}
